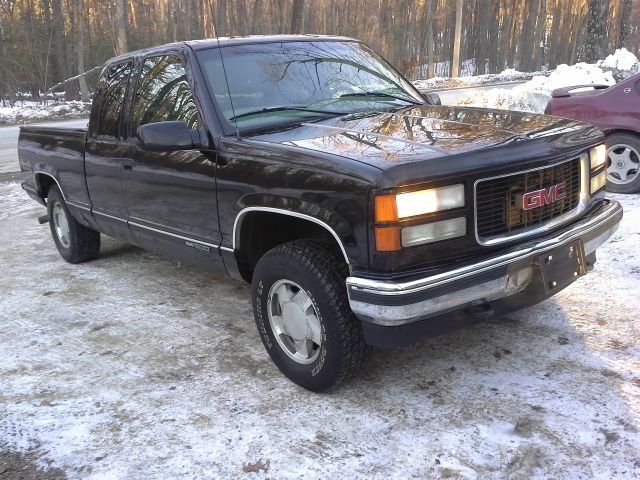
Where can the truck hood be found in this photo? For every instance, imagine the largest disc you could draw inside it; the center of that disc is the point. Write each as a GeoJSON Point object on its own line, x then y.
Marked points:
{"type": "Point", "coordinates": [431, 134]}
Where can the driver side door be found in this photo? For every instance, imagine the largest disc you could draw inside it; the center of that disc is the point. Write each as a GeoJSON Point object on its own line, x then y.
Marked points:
{"type": "Point", "coordinates": [171, 195]}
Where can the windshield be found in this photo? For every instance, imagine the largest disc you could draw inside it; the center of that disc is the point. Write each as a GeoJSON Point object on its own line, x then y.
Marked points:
{"type": "Point", "coordinates": [274, 83]}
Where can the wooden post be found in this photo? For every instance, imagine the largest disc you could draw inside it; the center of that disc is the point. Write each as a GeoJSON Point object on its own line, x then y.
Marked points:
{"type": "Point", "coordinates": [457, 40]}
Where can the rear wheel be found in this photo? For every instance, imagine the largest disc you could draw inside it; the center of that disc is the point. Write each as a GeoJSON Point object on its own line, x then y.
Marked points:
{"type": "Point", "coordinates": [303, 315]}
{"type": "Point", "coordinates": [75, 242]}
{"type": "Point", "coordinates": [623, 163]}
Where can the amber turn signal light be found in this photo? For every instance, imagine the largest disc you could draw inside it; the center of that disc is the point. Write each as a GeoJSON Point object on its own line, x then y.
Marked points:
{"type": "Point", "coordinates": [386, 209]}
{"type": "Point", "coordinates": [387, 239]}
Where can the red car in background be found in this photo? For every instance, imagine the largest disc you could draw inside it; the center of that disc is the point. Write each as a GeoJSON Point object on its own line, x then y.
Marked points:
{"type": "Point", "coordinates": [616, 111]}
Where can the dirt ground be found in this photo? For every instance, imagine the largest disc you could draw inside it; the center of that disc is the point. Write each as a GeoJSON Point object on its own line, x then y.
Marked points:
{"type": "Point", "coordinates": [133, 366]}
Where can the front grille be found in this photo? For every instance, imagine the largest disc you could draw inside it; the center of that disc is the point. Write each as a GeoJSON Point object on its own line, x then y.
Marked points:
{"type": "Point", "coordinates": [499, 200]}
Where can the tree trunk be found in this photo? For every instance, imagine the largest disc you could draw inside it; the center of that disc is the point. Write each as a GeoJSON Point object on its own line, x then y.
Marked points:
{"type": "Point", "coordinates": [457, 39]}
{"type": "Point", "coordinates": [81, 47]}
{"type": "Point", "coordinates": [120, 27]}
{"type": "Point", "coordinates": [596, 41]}
{"type": "Point", "coordinates": [538, 47]}
{"type": "Point", "coordinates": [296, 16]}
{"type": "Point", "coordinates": [481, 30]}
{"type": "Point", "coordinates": [59, 48]}
{"type": "Point", "coordinates": [4, 72]}
{"type": "Point", "coordinates": [625, 23]}
{"type": "Point", "coordinates": [431, 18]}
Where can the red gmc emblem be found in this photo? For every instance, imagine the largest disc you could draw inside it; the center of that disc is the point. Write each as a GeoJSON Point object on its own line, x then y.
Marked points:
{"type": "Point", "coordinates": [538, 198]}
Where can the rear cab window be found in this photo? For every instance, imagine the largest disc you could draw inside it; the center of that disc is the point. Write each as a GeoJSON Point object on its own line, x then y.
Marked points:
{"type": "Point", "coordinates": [109, 100]}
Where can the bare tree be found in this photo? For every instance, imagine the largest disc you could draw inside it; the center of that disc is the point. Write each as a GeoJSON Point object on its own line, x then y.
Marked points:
{"type": "Point", "coordinates": [595, 44]}
{"type": "Point", "coordinates": [455, 63]}
{"type": "Point", "coordinates": [120, 27]}
{"type": "Point", "coordinates": [5, 82]}
{"type": "Point", "coordinates": [81, 46]}
{"type": "Point", "coordinates": [626, 24]}
{"type": "Point", "coordinates": [296, 16]}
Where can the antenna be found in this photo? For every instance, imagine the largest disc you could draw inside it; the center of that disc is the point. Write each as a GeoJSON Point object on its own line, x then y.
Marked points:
{"type": "Point", "coordinates": [226, 78]}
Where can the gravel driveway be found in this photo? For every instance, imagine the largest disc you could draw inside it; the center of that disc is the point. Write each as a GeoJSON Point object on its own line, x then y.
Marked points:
{"type": "Point", "coordinates": [133, 366]}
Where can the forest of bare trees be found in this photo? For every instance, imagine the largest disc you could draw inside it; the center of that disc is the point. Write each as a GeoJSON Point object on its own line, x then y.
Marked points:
{"type": "Point", "coordinates": [46, 41]}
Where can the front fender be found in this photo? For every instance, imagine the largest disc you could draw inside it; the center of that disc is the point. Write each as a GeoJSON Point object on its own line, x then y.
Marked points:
{"type": "Point", "coordinates": [338, 226]}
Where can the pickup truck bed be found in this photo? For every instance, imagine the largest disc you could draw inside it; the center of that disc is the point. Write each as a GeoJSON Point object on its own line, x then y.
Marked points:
{"type": "Point", "coordinates": [58, 152]}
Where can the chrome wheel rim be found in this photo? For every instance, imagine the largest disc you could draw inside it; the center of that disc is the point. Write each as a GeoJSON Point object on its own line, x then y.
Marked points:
{"type": "Point", "coordinates": [623, 164]}
{"type": "Point", "coordinates": [295, 322]}
{"type": "Point", "coordinates": [61, 224]}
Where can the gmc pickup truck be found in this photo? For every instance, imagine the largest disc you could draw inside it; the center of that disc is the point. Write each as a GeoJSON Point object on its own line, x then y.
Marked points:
{"type": "Point", "coordinates": [362, 212]}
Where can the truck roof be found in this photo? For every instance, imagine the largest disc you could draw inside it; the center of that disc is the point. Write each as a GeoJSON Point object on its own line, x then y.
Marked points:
{"type": "Point", "coordinates": [207, 43]}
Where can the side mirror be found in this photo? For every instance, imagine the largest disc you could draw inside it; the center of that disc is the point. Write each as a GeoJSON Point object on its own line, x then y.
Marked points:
{"type": "Point", "coordinates": [168, 136]}
{"type": "Point", "coordinates": [432, 98]}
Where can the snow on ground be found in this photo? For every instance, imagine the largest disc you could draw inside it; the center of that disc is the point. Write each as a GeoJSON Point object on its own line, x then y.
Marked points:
{"type": "Point", "coordinates": [134, 367]}
{"type": "Point", "coordinates": [533, 95]}
{"type": "Point", "coordinates": [29, 112]}
{"type": "Point", "coordinates": [444, 83]}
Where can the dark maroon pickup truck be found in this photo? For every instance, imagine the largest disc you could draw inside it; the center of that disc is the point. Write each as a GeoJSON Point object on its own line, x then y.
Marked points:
{"type": "Point", "coordinates": [362, 213]}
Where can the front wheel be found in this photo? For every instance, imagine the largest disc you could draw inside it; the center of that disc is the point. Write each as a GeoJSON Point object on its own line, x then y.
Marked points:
{"type": "Point", "coordinates": [303, 315]}
{"type": "Point", "coordinates": [623, 163]}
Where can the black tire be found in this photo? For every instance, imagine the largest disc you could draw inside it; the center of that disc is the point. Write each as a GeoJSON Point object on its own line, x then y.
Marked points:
{"type": "Point", "coordinates": [620, 141]}
{"type": "Point", "coordinates": [83, 243]}
{"type": "Point", "coordinates": [316, 269]}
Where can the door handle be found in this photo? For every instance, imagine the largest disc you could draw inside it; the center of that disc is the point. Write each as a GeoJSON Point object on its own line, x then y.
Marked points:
{"type": "Point", "coordinates": [127, 164]}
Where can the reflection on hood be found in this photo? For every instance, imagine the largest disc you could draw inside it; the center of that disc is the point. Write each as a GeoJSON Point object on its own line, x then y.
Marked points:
{"type": "Point", "coordinates": [424, 132]}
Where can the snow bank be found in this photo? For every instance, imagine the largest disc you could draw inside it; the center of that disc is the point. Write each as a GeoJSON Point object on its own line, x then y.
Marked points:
{"type": "Point", "coordinates": [441, 83]}
{"type": "Point", "coordinates": [533, 95]}
{"type": "Point", "coordinates": [622, 64]}
{"type": "Point", "coordinates": [35, 112]}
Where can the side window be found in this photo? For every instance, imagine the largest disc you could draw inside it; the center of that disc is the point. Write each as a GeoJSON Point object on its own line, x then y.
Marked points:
{"type": "Point", "coordinates": [110, 95]}
{"type": "Point", "coordinates": [163, 94]}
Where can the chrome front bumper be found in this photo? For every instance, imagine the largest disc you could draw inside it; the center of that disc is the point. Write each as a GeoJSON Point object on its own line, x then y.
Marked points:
{"type": "Point", "coordinates": [388, 303]}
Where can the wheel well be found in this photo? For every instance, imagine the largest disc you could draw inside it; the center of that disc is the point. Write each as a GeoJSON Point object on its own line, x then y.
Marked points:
{"type": "Point", "coordinates": [43, 183]}
{"type": "Point", "coordinates": [261, 231]}
{"type": "Point", "coordinates": [620, 130]}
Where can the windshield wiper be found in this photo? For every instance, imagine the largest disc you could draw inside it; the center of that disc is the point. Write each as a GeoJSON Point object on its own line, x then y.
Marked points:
{"type": "Point", "coordinates": [298, 108]}
{"type": "Point", "coordinates": [381, 94]}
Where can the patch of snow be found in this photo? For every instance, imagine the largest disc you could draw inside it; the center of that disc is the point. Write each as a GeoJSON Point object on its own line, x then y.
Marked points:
{"type": "Point", "coordinates": [32, 111]}
{"type": "Point", "coordinates": [443, 83]}
{"type": "Point", "coordinates": [533, 95]}
{"type": "Point", "coordinates": [622, 64]}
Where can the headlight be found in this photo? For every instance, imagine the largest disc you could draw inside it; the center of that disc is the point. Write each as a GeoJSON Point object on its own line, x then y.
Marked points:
{"type": "Point", "coordinates": [391, 208]}
{"type": "Point", "coordinates": [599, 181]}
{"type": "Point", "coordinates": [433, 232]}
{"type": "Point", "coordinates": [598, 156]}
{"type": "Point", "coordinates": [429, 201]}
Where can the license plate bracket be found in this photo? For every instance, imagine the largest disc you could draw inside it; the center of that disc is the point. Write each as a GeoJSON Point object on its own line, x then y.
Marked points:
{"type": "Point", "coordinates": [561, 266]}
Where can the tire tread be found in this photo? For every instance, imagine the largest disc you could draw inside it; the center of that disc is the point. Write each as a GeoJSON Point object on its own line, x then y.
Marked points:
{"type": "Point", "coordinates": [322, 263]}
